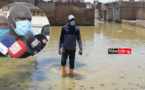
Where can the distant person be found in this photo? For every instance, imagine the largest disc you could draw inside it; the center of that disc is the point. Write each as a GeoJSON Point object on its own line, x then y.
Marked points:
{"type": "Point", "coordinates": [46, 31]}
{"type": "Point", "coordinates": [4, 26]}
{"type": "Point", "coordinates": [69, 34]}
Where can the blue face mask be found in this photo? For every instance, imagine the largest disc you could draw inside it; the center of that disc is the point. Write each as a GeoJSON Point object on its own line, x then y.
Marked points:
{"type": "Point", "coordinates": [72, 23]}
{"type": "Point", "coordinates": [22, 27]}
{"type": "Point", "coordinates": [3, 31]}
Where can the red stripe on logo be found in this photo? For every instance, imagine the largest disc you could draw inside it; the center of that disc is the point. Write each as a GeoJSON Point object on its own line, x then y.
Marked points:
{"type": "Point", "coordinates": [124, 50]}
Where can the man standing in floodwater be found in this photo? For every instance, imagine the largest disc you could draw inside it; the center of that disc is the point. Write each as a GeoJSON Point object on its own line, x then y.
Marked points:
{"type": "Point", "coordinates": [69, 34]}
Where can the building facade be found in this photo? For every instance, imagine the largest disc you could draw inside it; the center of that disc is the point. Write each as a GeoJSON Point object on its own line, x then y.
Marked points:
{"type": "Point", "coordinates": [127, 10]}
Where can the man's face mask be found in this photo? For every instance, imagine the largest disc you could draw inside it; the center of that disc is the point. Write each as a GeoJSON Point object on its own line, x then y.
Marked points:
{"type": "Point", "coordinates": [72, 23]}
{"type": "Point", "coordinates": [3, 31]}
{"type": "Point", "coordinates": [22, 27]}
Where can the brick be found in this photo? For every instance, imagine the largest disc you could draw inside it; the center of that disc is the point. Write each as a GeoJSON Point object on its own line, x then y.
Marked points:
{"type": "Point", "coordinates": [57, 13]}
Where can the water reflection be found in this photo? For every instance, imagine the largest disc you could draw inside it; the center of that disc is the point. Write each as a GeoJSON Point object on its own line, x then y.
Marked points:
{"type": "Point", "coordinates": [95, 69]}
{"type": "Point", "coordinates": [120, 31]}
{"type": "Point", "coordinates": [67, 83]}
{"type": "Point", "coordinates": [101, 70]}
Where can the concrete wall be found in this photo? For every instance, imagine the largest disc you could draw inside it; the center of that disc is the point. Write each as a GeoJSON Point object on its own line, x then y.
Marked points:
{"type": "Point", "coordinates": [113, 12]}
{"type": "Point", "coordinates": [117, 13]}
{"type": "Point", "coordinates": [133, 10]}
{"type": "Point", "coordinates": [126, 10]}
{"type": "Point", "coordinates": [83, 16]}
{"type": "Point", "coordinates": [57, 13]}
{"type": "Point", "coordinates": [27, 1]}
{"type": "Point", "coordinates": [140, 23]}
{"type": "Point", "coordinates": [130, 22]}
{"type": "Point", "coordinates": [49, 10]}
{"type": "Point", "coordinates": [110, 12]}
{"type": "Point", "coordinates": [3, 3]}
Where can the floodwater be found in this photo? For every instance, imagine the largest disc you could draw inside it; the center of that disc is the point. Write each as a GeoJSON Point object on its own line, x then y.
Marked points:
{"type": "Point", "coordinates": [94, 70]}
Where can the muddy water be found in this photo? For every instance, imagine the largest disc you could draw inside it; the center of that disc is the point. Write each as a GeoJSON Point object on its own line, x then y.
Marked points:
{"type": "Point", "coordinates": [15, 74]}
{"type": "Point", "coordinates": [95, 69]}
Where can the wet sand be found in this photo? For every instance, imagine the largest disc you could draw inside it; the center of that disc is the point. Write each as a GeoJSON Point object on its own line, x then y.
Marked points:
{"type": "Point", "coordinates": [94, 70]}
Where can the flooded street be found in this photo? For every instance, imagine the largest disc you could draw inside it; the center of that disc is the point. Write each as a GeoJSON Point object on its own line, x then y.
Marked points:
{"type": "Point", "coordinates": [94, 70]}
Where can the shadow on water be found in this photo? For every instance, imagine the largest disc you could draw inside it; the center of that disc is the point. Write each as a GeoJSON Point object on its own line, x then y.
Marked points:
{"type": "Point", "coordinates": [75, 76]}
{"type": "Point", "coordinates": [49, 67]}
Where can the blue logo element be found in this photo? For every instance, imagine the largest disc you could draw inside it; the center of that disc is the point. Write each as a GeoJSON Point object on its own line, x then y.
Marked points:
{"type": "Point", "coordinates": [1, 50]}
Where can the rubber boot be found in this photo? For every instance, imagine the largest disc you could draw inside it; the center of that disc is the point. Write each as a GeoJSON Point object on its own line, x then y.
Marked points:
{"type": "Point", "coordinates": [71, 71]}
{"type": "Point", "coordinates": [63, 69]}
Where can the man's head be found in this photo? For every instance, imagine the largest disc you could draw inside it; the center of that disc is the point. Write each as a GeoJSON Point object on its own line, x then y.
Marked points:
{"type": "Point", "coordinates": [71, 20]}
{"type": "Point", "coordinates": [19, 19]}
{"type": "Point", "coordinates": [4, 24]}
{"type": "Point", "coordinates": [45, 30]}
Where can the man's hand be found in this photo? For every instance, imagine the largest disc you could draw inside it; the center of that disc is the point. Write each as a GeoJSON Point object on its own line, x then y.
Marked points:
{"type": "Point", "coordinates": [59, 51]}
{"type": "Point", "coordinates": [80, 52]}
